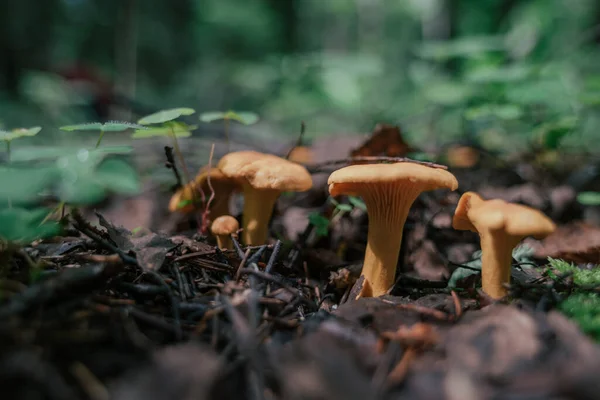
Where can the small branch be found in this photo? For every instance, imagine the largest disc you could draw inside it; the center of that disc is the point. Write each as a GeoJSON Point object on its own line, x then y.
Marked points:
{"type": "Point", "coordinates": [329, 165]}
{"type": "Point", "coordinates": [172, 165]}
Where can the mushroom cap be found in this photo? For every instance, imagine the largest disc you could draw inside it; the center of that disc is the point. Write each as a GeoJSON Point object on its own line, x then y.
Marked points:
{"type": "Point", "coordinates": [301, 155]}
{"type": "Point", "coordinates": [474, 213]}
{"type": "Point", "coordinates": [219, 181]}
{"type": "Point", "coordinates": [265, 171]}
{"type": "Point", "coordinates": [224, 225]}
{"type": "Point", "coordinates": [217, 178]}
{"type": "Point", "coordinates": [348, 179]}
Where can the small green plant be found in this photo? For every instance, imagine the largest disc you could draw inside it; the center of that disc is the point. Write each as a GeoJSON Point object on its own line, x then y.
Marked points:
{"type": "Point", "coordinates": [243, 117]}
{"type": "Point", "coordinates": [164, 124]}
{"type": "Point", "coordinates": [21, 226]}
{"type": "Point", "coordinates": [584, 309]}
{"type": "Point", "coordinates": [581, 277]}
{"type": "Point", "coordinates": [8, 136]}
{"type": "Point", "coordinates": [111, 126]}
{"type": "Point", "coordinates": [321, 223]}
{"type": "Point", "coordinates": [589, 198]}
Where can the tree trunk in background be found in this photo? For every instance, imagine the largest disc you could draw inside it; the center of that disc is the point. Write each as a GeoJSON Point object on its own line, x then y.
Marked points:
{"type": "Point", "coordinates": [126, 58]}
{"type": "Point", "coordinates": [287, 13]}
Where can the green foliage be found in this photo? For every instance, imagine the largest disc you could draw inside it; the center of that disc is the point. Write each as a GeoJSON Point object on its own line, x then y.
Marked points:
{"type": "Point", "coordinates": [23, 226]}
{"type": "Point", "coordinates": [581, 277]}
{"type": "Point", "coordinates": [179, 129]}
{"type": "Point", "coordinates": [50, 153]}
{"type": "Point", "coordinates": [111, 126]}
{"type": "Point", "coordinates": [584, 309]}
{"type": "Point", "coordinates": [87, 179]}
{"type": "Point", "coordinates": [7, 136]}
{"type": "Point", "coordinates": [163, 116]}
{"type": "Point", "coordinates": [23, 185]}
{"type": "Point", "coordinates": [243, 117]}
{"type": "Point", "coordinates": [320, 223]}
{"type": "Point", "coordinates": [522, 254]}
{"type": "Point", "coordinates": [357, 202]}
{"type": "Point", "coordinates": [589, 198]}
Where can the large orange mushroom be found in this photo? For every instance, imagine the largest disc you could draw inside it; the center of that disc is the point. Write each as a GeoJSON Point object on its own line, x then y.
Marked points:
{"type": "Point", "coordinates": [501, 226]}
{"type": "Point", "coordinates": [263, 178]}
{"type": "Point", "coordinates": [388, 191]}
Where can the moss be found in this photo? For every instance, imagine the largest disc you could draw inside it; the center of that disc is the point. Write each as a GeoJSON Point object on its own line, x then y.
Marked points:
{"type": "Point", "coordinates": [581, 277]}
{"type": "Point", "coordinates": [584, 309]}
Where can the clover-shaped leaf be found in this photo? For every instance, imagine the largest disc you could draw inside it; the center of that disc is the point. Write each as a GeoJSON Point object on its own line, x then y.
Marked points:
{"type": "Point", "coordinates": [7, 136]}
{"type": "Point", "coordinates": [178, 129]}
{"type": "Point", "coordinates": [243, 117]}
{"type": "Point", "coordinates": [163, 116]}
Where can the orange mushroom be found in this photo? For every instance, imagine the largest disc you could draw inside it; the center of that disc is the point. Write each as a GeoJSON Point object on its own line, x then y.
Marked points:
{"type": "Point", "coordinates": [263, 178]}
{"type": "Point", "coordinates": [223, 188]}
{"type": "Point", "coordinates": [388, 191]}
{"type": "Point", "coordinates": [223, 227]}
{"type": "Point", "coordinates": [501, 226]}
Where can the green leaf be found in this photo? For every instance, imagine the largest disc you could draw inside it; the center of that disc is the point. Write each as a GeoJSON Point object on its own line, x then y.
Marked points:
{"type": "Point", "coordinates": [117, 176]}
{"type": "Point", "coordinates": [447, 93]}
{"type": "Point", "coordinates": [243, 117]}
{"type": "Point", "coordinates": [521, 254]}
{"type": "Point", "coordinates": [344, 207]}
{"type": "Point", "coordinates": [91, 126]}
{"type": "Point", "coordinates": [463, 47]}
{"type": "Point", "coordinates": [88, 177]}
{"type": "Point", "coordinates": [461, 273]}
{"type": "Point", "coordinates": [589, 198]}
{"type": "Point", "coordinates": [499, 111]}
{"type": "Point", "coordinates": [212, 116]}
{"type": "Point", "coordinates": [357, 202]}
{"type": "Point", "coordinates": [110, 126]}
{"type": "Point", "coordinates": [165, 116]}
{"type": "Point", "coordinates": [24, 226]}
{"type": "Point", "coordinates": [23, 186]}
{"type": "Point", "coordinates": [550, 134]}
{"type": "Point", "coordinates": [7, 136]}
{"type": "Point", "coordinates": [118, 126]}
{"type": "Point", "coordinates": [320, 223]}
{"type": "Point", "coordinates": [180, 129]}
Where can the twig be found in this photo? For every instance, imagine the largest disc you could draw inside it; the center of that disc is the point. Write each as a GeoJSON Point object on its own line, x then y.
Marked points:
{"type": "Point", "coordinates": [327, 165]}
{"type": "Point", "coordinates": [173, 166]}
{"type": "Point", "coordinates": [299, 141]}
{"type": "Point", "coordinates": [273, 257]}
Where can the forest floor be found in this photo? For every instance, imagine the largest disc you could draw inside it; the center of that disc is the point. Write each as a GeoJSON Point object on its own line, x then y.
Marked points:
{"type": "Point", "coordinates": [125, 314]}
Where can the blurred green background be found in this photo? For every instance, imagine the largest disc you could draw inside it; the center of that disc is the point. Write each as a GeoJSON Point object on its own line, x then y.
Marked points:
{"type": "Point", "coordinates": [504, 72]}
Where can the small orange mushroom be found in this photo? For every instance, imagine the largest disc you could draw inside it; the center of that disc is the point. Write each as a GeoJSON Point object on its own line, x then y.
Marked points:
{"type": "Point", "coordinates": [223, 227]}
{"type": "Point", "coordinates": [501, 226]}
{"type": "Point", "coordinates": [388, 190]}
{"type": "Point", "coordinates": [263, 178]}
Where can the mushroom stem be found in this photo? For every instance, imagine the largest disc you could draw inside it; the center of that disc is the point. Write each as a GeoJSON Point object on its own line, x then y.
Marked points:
{"type": "Point", "coordinates": [224, 242]}
{"type": "Point", "coordinates": [258, 208]}
{"type": "Point", "coordinates": [219, 206]}
{"type": "Point", "coordinates": [387, 207]}
{"type": "Point", "coordinates": [496, 262]}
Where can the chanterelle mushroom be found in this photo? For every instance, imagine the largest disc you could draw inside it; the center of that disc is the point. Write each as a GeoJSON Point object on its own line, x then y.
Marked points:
{"type": "Point", "coordinates": [501, 226]}
{"type": "Point", "coordinates": [222, 227]}
{"type": "Point", "coordinates": [222, 185]}
{"type": "Point", "coordinates": [263, 177]}
{"type": "Point", "coordinates": [388, 191]}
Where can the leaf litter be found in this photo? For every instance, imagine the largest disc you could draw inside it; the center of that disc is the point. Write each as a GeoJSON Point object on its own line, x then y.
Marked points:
{"type": "Point", "coordinates": [109, 313]}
